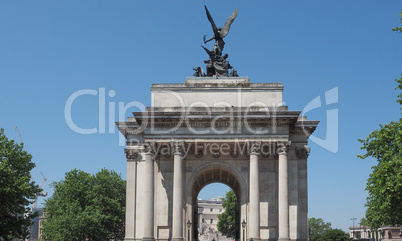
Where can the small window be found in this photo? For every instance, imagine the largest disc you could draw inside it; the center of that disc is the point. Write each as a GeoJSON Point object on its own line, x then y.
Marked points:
{"type": "Point", "coordinates": [212, 221]}
{"type": "Point", "coordinates": [220, 210]}
{"type": "Point", "coordinates": [212, 210]}
{"type": "Point", "coordinates": [203, 220]}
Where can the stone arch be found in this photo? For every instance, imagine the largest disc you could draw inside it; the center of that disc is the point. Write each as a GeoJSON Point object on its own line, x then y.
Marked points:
{"type": "Point", "coordinates": [216, 172]}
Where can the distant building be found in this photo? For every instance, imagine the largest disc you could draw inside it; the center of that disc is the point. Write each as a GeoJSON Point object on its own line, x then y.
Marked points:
{"type": "Point", "coordinates": [383, 233]}
{"type": "Point", "coordinates": [35, 230]}
{"type": "Point", "coordinates": [208, 211]}
{"type": "Point", "coordinates": [42, 218]}
{"type": "Point", "coordinates": [361, 232]}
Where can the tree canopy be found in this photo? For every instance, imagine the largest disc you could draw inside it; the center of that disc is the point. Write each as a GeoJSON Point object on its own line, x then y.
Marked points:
{"type": "Point", "coordinates": [227, 219]}
{"type": "Point", "coordinates": [335, 235]}
{"type": "Point", "coordinates": [364, 222]}
{"type": "Point", "coordinates": [385, 194]}
{"type": "Point", "coordinates": [384, 144]}
{"type": "Point", "coordinates": [316, 228]}
{"type": "Point", "coordinates": [385, 182]}
{"type": "Point", "coordinates": [86, 207]}
{"type": "Point", "coordinates": [16, 189]}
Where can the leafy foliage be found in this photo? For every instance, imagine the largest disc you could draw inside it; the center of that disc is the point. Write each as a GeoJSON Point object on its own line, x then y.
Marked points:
{"type": "Point", "coordinates": [398, 28]}
{"type": "Point", "coordinates": [385, 143]}
{"type": "Point", "coordinates": [385, 183]}
{"type": "Point", "coordinates": [364, 222]}
{"type": "Point", "coordinates": [399, 87]}
{"type": "Point", "coordinates": [86, 207]}
{"type": "Point", "coordinates": [385, 194]}
{"type": "Point", "coordinates": [335, 235]}
{"type": "Point", "coordinates": [317, 228]}
{"type": "Point", "coordinates": [16, 189]}
{"type": "Point", "coordinates": [227, 219]}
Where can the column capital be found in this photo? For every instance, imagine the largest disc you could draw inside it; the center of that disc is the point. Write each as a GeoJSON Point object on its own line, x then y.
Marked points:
{"type": "Point", "coordinates": [131, 154]}
{"type": "Point", "coordinates": [178, 147]}
{"type": "Point", "coordinates": [283, 147]}
{"type": "Point", "coordinates": [255, 147]}
{"type": "Point", "coordinates": [302, 152]}
{"type": "Point", "coordinates": [149, 147]}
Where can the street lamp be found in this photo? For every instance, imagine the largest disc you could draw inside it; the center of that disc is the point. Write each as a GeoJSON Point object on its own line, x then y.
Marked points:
{"type": "Point", "coordinates": [188, 227]}
{"type": "Point", "coordinates": [353, 233]}
{"type": "Point", "coordinates": [243, 224]}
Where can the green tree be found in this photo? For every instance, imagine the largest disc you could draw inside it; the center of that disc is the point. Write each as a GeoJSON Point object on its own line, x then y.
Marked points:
{"type": "Point", "coordinates": [227, 219]}
{"type": "Point", "coordinates": [385, 183]}
{"type": "Point", "coordinates": [16, 189]}
{"type": "Point", "coordinates": [335, 235]}
{"type": "Point", "coordinates": [86, 207]}
{"type": "Point", "coordinates": [364, 222]}
{"type": "Point", "coordinates": [316, 228]}
{"type": "Point", "coordinates": [384, 144]}
{"type": "Point", "coordinates": [385, 194]}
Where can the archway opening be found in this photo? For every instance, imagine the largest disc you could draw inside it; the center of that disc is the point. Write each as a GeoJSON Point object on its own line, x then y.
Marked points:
{"type": "Point", "coordinates": [209, 191]}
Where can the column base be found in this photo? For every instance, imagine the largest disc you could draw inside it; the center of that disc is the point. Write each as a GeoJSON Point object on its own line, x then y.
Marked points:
{"type": "Point", "coordinates": [148, 239]}
{"type": "Point", "coordinates": [177, 239]}
{"type": "Point", "coordinates": [129, 239]}
{"type": "Point", "coordinates": [283, 239]}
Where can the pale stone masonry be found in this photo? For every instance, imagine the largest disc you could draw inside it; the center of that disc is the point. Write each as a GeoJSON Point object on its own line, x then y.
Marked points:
{"type": "Point", "coordinates": [225, 130]}
{"type": "Point", "coordinates": [384, 233]}
{"type": "Point", "coordinates": [208, 211]}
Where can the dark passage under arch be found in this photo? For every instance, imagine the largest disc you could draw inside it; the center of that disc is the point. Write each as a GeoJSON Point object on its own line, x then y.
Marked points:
{"type": "Point", "coordinates": [209, 176]}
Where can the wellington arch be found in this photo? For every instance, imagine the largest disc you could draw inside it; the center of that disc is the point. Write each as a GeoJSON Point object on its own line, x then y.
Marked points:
{"type": "Point", "coordinates": [217, 129]}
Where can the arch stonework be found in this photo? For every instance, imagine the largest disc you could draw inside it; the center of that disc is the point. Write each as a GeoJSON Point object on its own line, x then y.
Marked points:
{"type": "Point", "coordinates": [221, 172]}
{"type": "Point", "coordinates": [208, 130]}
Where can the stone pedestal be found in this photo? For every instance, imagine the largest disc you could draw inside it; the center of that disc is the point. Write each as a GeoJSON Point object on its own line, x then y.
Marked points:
{"type": "Point", "coordinates": [390, 233]}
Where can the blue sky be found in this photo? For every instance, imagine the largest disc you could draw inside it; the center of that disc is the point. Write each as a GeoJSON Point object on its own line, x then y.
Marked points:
{"type": "Point", "coordinates": [51, 49]}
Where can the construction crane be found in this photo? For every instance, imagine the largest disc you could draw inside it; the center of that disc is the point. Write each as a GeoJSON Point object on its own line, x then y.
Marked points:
{"type": "Point", "coordinates": [18, 134]}
{"type": "Point", "coordinates": [41, 194]}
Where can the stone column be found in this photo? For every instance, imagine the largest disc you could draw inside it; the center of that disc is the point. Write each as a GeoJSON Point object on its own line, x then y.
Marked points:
{"type": "Point", "coordinates": [302, 155]}
{"type": "Point", "coordinates": [254, 213]}
{"type": "Point", "coordinates": [148, 201]}
{"type": "Point", "coordinates": [283, 192]}
{"type": "Point", "coordinates": [131, 156]}
{"type": "Point", "coordinates": [178, 192]}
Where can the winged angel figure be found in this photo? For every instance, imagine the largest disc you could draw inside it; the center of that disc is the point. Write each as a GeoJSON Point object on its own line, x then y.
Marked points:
{"type": "Point", "coordinates": [219, 33]}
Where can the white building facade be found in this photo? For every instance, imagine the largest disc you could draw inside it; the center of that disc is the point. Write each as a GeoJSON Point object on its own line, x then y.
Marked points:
{"type": "Point", "coordinates": [208, 211]}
